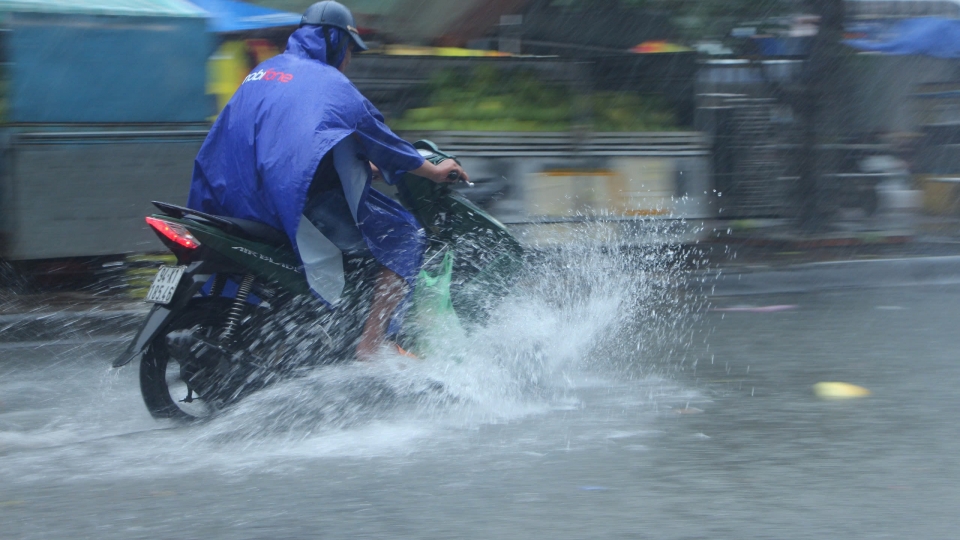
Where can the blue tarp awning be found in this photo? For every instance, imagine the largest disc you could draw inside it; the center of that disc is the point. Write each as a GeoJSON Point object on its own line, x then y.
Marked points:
{"type": "Point", "coordinates": [105, 68]}
{"type": "Point", "coordinates": [136, 8]}
{"type": "Point", "coordinates": [928, 36]}
{"type": "Point", "coordinates": [230, 16]}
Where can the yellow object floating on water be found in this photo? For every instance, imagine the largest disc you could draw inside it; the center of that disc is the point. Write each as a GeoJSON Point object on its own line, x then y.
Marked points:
{"type": "Point", "coordinates": [839, 390]}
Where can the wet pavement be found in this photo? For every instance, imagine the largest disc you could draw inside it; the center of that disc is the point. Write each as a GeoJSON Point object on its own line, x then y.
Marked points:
{"type": "Point", "coordinates": [565, 420]}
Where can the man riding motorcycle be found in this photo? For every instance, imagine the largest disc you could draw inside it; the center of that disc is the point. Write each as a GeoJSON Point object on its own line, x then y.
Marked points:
{"type": "Point", "coordinates": [293, 149]}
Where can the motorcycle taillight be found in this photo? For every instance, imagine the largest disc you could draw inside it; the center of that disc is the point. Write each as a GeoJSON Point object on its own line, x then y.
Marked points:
{"type": "Point", "coordinates": [174, 231]}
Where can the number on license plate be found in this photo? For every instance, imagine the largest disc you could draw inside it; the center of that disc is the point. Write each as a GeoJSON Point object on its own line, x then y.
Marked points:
{"type": "Point", "coordinates": [165, 284]}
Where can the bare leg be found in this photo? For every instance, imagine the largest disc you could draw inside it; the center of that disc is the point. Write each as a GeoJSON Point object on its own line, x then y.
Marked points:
{"type": "Point", "coordinates": [388, 292]}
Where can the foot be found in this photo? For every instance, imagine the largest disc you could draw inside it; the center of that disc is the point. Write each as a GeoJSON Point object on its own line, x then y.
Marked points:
{"type": "Point", "coordinates": [402, 352]}
{"type": "Point", "coordinates": [366, 353]}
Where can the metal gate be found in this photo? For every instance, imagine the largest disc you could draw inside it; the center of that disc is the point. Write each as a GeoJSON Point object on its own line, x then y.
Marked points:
{"type": "Point", "coordinates": [754, 172]}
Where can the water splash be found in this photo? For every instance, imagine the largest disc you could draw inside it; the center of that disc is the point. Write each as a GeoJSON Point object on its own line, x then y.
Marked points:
{"type": "Point", "coordinates": [581, 310]}
{"type": "Point", "coordinates": [585, 315]}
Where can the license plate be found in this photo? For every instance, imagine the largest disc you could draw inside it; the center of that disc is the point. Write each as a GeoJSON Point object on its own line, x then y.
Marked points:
{"type": "Point", "coordinates": [165, 284]}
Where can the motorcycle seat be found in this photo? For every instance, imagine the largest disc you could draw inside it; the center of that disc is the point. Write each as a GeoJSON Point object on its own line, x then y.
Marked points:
{"type": "Point", "coordinates": [259, 231]}
{"type": "Point", "coordinates": [245, 228]}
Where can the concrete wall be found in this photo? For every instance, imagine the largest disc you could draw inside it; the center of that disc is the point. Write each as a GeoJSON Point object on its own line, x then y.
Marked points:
{"type": "Point", "coordinates": [884, 86]}
{"type": "Point", "coordinates": [87, 194]}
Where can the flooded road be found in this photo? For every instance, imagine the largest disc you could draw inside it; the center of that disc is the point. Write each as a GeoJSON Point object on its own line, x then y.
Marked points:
{"type": "Point", "coordinates": [574, 432]}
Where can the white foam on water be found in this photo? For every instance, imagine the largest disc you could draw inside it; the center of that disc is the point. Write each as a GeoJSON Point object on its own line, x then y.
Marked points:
{"type": "Point", "coordinates": [582, 319]}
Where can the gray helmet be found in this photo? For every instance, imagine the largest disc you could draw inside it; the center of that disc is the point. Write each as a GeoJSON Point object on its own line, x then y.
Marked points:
{"type": "Point", "coordinates": [335, 14]}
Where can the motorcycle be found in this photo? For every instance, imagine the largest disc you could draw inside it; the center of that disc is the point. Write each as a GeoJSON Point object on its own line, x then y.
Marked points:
{"type": "Point", "coordinates": [236, 313]}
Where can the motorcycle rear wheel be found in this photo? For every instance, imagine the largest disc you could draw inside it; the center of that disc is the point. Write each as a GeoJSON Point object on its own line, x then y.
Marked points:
{"type": "Point", "coordinates": [164, 391]}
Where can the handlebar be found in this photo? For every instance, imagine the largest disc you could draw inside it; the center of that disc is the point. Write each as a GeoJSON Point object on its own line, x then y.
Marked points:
{"type": "Point", "coordinates": [454, 176]}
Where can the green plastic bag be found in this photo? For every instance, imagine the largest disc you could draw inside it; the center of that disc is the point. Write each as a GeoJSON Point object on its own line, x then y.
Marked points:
{"type": "Point", "coordinates": [434, 321]}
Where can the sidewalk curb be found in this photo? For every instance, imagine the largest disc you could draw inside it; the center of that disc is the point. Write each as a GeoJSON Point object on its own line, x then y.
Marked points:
{"type": "Point", "coordinates": [67, 316]}
{"type": "Point", "coordinates": [826, 276]}
{"type": "Point", "coordinates": [69, 325]}
{"type": "Point", "coordinates": [99, 324]}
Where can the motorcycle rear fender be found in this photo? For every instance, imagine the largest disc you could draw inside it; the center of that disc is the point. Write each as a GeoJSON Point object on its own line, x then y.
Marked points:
{"type": "Point", "coordinates": [194, 278]}
{"type": "Point", "coordinates": [279, 265]}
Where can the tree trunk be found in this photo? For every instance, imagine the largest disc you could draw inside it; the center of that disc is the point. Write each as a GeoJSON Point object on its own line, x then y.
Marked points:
{"type": "Point", "coordinates": [820, 112]}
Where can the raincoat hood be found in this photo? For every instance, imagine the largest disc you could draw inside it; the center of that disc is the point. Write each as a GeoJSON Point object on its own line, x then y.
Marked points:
{"type": "Point", "coordinates": [307, 42]}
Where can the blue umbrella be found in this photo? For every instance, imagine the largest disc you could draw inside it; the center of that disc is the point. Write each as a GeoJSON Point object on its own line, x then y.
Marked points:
{"type": "Point", "coordinates": [229, 16]}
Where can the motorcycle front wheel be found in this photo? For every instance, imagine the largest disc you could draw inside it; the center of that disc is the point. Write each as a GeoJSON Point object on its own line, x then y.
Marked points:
{"type": "Point", "coordinates": [169, 385]}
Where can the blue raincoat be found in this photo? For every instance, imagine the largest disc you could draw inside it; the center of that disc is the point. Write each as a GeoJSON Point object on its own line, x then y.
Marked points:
{"type": "Point", "coordinates": [260, 157]}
